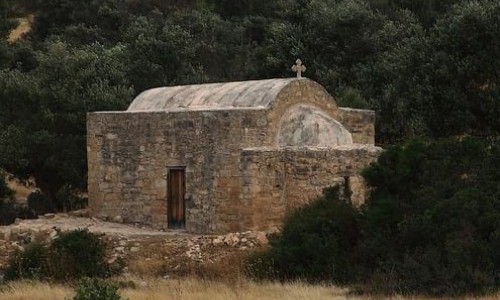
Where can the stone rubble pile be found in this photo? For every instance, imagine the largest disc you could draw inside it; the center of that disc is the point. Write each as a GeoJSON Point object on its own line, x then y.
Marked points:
{"type": "Point", "coordinates": [196, 248]}
{"type": "Point", "coordinates": [238, 241]}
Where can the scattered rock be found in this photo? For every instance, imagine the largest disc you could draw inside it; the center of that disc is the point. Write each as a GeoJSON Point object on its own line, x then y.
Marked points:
{"type": "Point", "coordinates": [49, 216]}
{"type": "Point", "coordinates": [134, 249]}
{"type": "Point", "coordinates": [53, 234]}
{"type": "Point", "coordinates": [112, 260]}
{"type": "Point", "coordinates": [262, 238]}
{"type": "Point", "coordinates": [218, 241]}
{"type": "Point", "coordinates": [18, 247]}
{"type": "Point", "coordinates": [6, 235]}
{"type": "Point", "coordinates": [103, 217]}
{"type": "Point", "coordinates": [79, 213]}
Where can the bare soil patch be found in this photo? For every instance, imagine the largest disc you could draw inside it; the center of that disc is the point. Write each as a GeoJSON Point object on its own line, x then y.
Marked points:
{"type": "Point", "coordinates": [23, 28]}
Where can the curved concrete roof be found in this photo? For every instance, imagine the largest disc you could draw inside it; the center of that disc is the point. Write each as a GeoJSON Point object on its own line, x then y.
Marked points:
{"type": "Point", "coordinates": [243, 94]}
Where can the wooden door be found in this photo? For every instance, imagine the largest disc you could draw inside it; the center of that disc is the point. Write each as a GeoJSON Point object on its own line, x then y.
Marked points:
{"type": "Point", "coordinates": [176, 193]}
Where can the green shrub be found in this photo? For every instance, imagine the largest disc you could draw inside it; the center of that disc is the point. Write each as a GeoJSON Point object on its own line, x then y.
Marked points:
{"type": "Point", "coordinates": [10, 210]}
{"type": "Point", "coordinates": [7, 208]}
{"type": "Point", "coordinates": [72, 255]}
{"type": "Point", "coordinates": [261, 266]}
{"type": "Point", "coordinates": [431, 225]}
{"type": "Point", "coordinates": [76, 254]}
{"type": "Point", "coordinates": [5, 191]}
{"type": "Point", "coordinates": [40, 204]}
{"type": "Point", "coordinates": [317, 243]}
{"type": "Point", "coordinates": [28, 264]}
{"type": "Point", "coordinates": [70, 199]}
{"type": "Point", "coordinates": [96, 289]}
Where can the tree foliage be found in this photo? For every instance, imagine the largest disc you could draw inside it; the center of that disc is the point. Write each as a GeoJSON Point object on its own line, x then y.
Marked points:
{"type": "Point", "coordinates": [431, 225]}
{"type": "Point", "coordinates": [5, 191]}
{"type": "Point", "coordinates": [43, 111]}
{"type": "Point", "coordinates": [428, 68]}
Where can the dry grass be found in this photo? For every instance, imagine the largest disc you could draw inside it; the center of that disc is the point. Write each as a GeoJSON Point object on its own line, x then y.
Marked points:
{"type": "Point", "coordinates": [192, 289]}
{"type": "Point", "coordinates": [146, 267]}
{"type": "Point", "coordinates": [21, 191]}
{"type": "Point", "coordinates": [199, 289]}
{"type": "Point", "coordinates": [23, 28]}
{"type": "Point", "coordinates": [34, 290]}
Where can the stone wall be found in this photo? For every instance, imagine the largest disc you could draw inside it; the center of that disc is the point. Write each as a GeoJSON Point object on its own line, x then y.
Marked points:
{"type": "Point", "coordinates": [129, 155]}
{"type": "Point", "coordinates": [277, 181]}
{"type": "Point", "coordinates": [360, 123]}
{"type": "Point", "coordinates": [228, 189]}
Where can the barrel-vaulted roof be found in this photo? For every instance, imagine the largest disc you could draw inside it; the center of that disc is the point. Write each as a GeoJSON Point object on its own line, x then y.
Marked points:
{"type": "Point", "coordinates": [230, 95]}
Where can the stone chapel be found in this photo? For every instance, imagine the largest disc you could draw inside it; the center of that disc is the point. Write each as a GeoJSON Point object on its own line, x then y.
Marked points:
{"type": "Point", "coordinates": [225, 157]}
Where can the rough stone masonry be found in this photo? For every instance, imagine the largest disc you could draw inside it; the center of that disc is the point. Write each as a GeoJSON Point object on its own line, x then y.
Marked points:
{"type": "Point", "coordinates": [225, 157]}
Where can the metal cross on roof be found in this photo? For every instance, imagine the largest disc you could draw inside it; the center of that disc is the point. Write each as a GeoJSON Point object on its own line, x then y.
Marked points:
{"type": "Point", "coordinates": [299, 68]}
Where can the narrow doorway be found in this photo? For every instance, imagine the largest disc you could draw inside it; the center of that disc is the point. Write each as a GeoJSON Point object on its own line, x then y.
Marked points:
{"type": "Point", "coordinates": [175, 202]}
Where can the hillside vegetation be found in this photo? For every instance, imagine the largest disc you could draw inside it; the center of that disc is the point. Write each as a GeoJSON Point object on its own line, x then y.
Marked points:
{"type": "Point", "coordinates": [430, 69]}
{"type": "Point", "coordinates": [431, 226]}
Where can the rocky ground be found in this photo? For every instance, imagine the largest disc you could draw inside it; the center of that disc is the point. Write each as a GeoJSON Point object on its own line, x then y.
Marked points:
{"type": "Point", "coordinates": [138, 250]}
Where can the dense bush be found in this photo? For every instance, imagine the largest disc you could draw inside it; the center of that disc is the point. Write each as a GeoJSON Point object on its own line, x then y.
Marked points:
{"type": "Point", "coordinates": [5, 191]}
{"type": "Point", "coordinates": [28, 264]}
{"type": "Point", "coordinates": [315, 243]}
{"type": "Point", "coordinates": [71, 199]}
{"type": "Point", "coordinates": [96, 289]}
{"type": "Point", "coordinates": [433, 221]}
{"type": "Point", "coordinates": [9, 209]}
{"type": "Point", "coordinates": [39, 204]}
{"type": "Point", "coordinates": [431, 225]}
{"type": "Point", "coordinates": [72, 255]}
{"type": "Point", "coordinates": [8, 212]}
{"type": "Point", "coordinates": [76, 254]}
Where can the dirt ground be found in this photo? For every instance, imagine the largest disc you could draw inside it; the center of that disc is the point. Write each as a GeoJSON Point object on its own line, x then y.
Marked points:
{"type": "Point", "coordinates": [23, 28]}
{"type": "Point", "coordinates": [143, 251]}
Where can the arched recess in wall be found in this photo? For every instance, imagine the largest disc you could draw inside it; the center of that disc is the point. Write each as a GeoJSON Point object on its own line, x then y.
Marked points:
{"type": "Point", "coordinates": [306, 125]}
